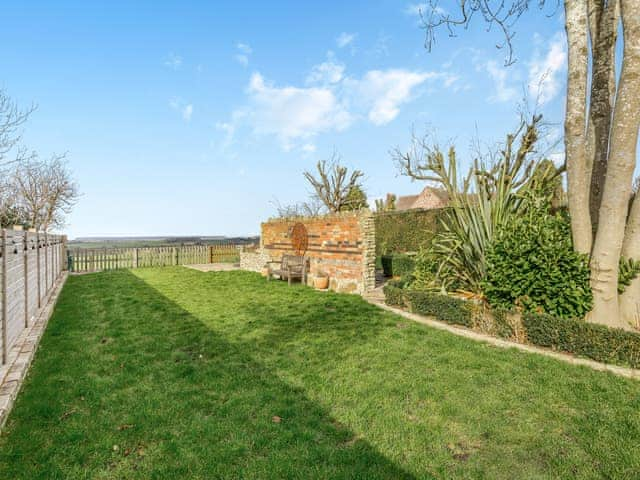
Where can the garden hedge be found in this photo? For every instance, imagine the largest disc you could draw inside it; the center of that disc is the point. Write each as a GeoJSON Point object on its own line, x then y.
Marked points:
{"type": "Point", "coordinates": [394, 293]}
{"type": "Point", "coordinates": [405, 231]}
{"type": "Point", "coordinates": [576, 337]}
{"type": "Point", "coordinates": [445, 308]}
{"type": "Point", "coordinates": [398, 265]}
{"type": "Point", "coordinates": [597, 342]}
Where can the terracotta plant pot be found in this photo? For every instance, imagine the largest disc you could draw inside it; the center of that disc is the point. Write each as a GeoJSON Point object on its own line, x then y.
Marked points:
{"type": "Point", "coordinates": [321, 283]}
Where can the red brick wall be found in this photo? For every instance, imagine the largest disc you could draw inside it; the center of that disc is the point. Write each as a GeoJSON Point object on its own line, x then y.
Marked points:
{"type": "Point", "coordinates": [340, 245]}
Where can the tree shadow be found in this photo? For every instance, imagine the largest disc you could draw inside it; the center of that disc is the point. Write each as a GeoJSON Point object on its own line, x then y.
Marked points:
{"type": "Point", "coordinates": [128, 384]}
{"type": "Point", "coordinates": [273, 313]}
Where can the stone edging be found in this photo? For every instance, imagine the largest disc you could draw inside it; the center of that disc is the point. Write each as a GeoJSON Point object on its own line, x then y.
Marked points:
{"type": "Point", "coordinates": [499, 342]}
{"type": "Point", "coordinates": [21, 354]}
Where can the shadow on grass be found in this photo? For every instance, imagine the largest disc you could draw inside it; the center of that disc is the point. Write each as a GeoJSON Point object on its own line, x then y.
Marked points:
{"type": "Point", "coordinates": [269, 314]}
{"type": "Point", "coordinates": [127, 384]}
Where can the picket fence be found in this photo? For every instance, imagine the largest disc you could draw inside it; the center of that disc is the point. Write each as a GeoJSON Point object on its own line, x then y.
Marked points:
{"type": "Point", "coordinates": [31, 264]}
{"type": "Point", "coordinates": [84, 260]}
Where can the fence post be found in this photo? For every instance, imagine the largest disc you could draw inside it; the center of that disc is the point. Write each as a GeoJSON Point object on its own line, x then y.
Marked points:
{"type": "Point", "coordinates": [135, 257]}
{"type": "Point", "coordinates": [39, 270]}
{"type": "Point", "coordinates": [4, 296]}
{"type": "Point", "coordinates": [25, 248]}
{"type": "Point", "coordinates": [46, 263]}
{"type": "Point", "coordinates": [65, 254]}
{"type": "Point", "coordinates": [175, 256]}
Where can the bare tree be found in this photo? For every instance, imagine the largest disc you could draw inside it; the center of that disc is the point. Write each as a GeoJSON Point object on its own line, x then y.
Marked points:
{"type": "Point", "coordinates": [45, 191]}
{"type": "Point", "coordinates": [600, 133]}
{"type": "Point", "coordinates": [334, 183]}
{"type": "Point", "coordinates": [11, 212]}
{"type": "Point", "coordinates": [11, 119]}
{"type": "Point", "coordinates": [310, 208]}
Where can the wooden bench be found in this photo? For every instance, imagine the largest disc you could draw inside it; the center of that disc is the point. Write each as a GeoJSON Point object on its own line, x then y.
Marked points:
{"type": "Point", "coordinates": [290, 267]}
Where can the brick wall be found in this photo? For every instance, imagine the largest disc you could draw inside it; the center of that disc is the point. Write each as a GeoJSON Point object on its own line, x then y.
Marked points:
{"type": "Point", "coordinates": [341, 246]}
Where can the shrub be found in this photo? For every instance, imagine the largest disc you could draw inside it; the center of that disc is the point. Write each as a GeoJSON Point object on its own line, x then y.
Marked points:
{"type": "Point", "coordinates": [532, 265]}
{"type": "Point", "coordinates": [590, 340]}
{"type": "Point", "coordinates": [397, 265]}
{"type": "Point", "coordinates": [577, 337]}
{"type": "Point", "coordinates": [425, 271]}
{"type": "Point", "coordinates": [443, 307]}
{"type": "Point", "coordinates": [394, 293]}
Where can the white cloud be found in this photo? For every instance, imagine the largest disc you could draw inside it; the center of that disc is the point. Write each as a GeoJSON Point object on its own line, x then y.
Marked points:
{"type": "Point", "coordinates": [504, 89]}
{"type": "Point", "coordinates": [383, 91]}
{"type": "Point", "coordinates": [173, 61]}
{"type": "Point", "coordinates": [308, 148]}
{"type": "Point", "coordinates": [187, 111]}
{"type": "Point", "coordinates": [244, 51]}
{"type": "Point", "coordinates": [330, 71]}
{"type": "Point", "coordinates": [545, 79]}
{"type": "Point", "coordinates": [345, 39]}
{"type": "Point", "coordinates": [244, 48]}
{"type": "Point", "coordinates": [293, 113]}
{"type": "Point", "coordinates": [329, 102]}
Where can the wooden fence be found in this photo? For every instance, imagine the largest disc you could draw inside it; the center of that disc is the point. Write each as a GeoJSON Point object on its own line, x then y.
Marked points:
{"type": "Point", "coordinates": [100, 259]}
{"type": "Point", "coordinates": [31, 264]}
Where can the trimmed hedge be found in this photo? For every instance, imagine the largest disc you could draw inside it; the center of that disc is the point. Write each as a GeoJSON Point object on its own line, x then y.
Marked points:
{"type": "Point", "coordinates": [445, 308]}
{"type": "Point", "coordinates": [398, 265]}
{"type": "Point", "coordinates": [394, 293]}
{"type": "Point", "coordinates": [576, 337]}
{"type": "Point", "coordinates": [597, 342]}
{"type": "Point", "coordinates": [405, 231]}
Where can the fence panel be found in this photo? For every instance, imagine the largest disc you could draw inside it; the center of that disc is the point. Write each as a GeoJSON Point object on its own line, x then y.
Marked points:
{"type": "Point", "coordinates": [224, 253]}
{"type": "Point", "coordinates": [85, 260]}
{"type": "Point", "coordinates": [30, 266]}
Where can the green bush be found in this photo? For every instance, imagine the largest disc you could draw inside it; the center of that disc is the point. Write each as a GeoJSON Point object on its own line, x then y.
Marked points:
{"type": "Point", "coordinates": [577, 337]}
{"type": "Point", "coordinates": [443, 307]}
{"type": "Point", "coordinates": [394, 293]}
{"type": "Point", "coordinates": [405, 231]}
{"type": "Point", "coordinates": [398, 265]}
{"type": "Point", "coordinates": [532, 265]}
{"type": "Point", "coordinates": [590, 340]}
{"type": "Point", "coordinates": [425, 271]}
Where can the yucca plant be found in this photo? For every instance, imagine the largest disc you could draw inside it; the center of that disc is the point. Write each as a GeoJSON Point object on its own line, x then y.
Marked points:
{"type": "Point", "coordinates": [488, 195]}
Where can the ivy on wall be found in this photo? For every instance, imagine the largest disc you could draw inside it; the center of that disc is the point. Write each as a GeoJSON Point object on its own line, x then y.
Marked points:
{"type": "Point", "coordinates": [405, 231]}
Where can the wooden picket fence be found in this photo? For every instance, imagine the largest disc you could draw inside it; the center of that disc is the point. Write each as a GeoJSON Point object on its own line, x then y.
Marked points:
{"type": "Point", "coordinates": [84, 260]}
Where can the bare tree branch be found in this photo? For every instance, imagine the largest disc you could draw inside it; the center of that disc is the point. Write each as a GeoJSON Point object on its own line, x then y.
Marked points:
{"type": "Point", "coordinates": [333, 183]}
{"type": "Point", "coordinates": [497, 14]}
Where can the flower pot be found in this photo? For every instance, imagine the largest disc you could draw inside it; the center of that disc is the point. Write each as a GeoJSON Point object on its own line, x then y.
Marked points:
{"type": "Point", "coordinates": [265, 272]}
{"type": "Point", "coordinates": [321, 283]}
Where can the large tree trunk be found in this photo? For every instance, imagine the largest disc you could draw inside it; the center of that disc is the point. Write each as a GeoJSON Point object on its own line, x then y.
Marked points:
{"type": "Point", "coordinates": [630, 299]}
{"type": "Point", "coordinates": [575, 137]}
{"type": "Point", "coordinates": [603, 22]}
{"type": "Point", "coordinates": [617, 186]}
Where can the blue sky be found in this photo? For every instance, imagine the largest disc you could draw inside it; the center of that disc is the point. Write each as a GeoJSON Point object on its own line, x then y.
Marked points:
{"type": "Point", "coordinates": [192, 117]}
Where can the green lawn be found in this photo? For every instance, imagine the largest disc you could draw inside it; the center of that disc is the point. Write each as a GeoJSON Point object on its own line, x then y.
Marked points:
{"type": "Point", "coordinates": [173, 373]}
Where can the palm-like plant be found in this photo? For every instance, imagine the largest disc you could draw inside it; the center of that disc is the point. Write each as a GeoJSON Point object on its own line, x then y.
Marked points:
{"type": "Point", "coordinates": [482, 201]}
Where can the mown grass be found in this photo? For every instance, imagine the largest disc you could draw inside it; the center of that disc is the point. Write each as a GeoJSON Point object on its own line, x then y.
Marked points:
{"type": "Point", "coordinates": [174, 373]}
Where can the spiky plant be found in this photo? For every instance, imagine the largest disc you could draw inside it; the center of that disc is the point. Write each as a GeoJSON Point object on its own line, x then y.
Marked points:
{"type": "Point", "coordinates": [480, 203]}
